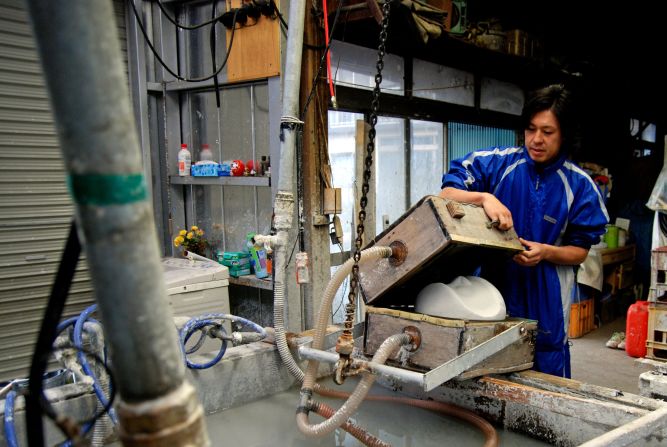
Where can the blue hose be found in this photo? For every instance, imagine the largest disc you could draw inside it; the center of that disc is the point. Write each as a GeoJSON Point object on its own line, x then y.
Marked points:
{"type": "Point", "coordinates": [78, 342]}
{"type": "Point", "coordinates": [187, 331]}
{"type": "Point", "coordinates": [202, 321]}
{"type": "Point", "coordinates": [10, 430]}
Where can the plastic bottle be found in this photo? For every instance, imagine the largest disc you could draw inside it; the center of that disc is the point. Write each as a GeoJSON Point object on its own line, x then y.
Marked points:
{"type": "Point", "coordinates": [184, 161]}
{"type": "Point", "coordinates": [636, 329]}
{"type": "Point", "coordinates": [205, 154]}
{"type": "Point", "coordinates": [262, 165]}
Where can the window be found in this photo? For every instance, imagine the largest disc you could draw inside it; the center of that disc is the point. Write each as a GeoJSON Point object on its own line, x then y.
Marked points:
{"type": "Point", "coordinates": [342, 127]}
{"type": "Point", "coordinates": [643, 138]}
{"type": "Point", "coordinates": [465, 138]}
{"type": "Point", "coordinates": [426, 158]}
{"type": "Point", "coordinates": [411, 152]}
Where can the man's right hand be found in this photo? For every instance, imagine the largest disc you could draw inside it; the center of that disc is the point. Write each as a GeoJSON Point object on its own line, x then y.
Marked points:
{"type": "Point", "coordinates": [497, 211]}
{"type": "Point", "coordinates": [492, 206]}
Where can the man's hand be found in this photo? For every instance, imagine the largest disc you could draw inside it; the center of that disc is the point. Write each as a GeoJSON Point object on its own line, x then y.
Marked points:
{"type": "Point", "coordinates": [534, 254]}
{"type": "Point", "coordinates": [497, 211]}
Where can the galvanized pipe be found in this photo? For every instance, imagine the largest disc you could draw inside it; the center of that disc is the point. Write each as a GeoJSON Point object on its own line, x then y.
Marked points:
{"type": "Point", "coordinates": [284, 199]}
{"type": "Point", "coordinates": [388, 372]}
{"type": "Point", "coordinates": [80, 54]}
{"type": "Point", "coordinates": [632, 431]}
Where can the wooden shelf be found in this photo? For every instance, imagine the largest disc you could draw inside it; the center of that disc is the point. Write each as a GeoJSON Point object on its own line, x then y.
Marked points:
{"type": "Point", "coordinates": [252, 281]}
{"type": "Point", "coordinates": [615, 255]}
{"type": "Point", "coordinates": [223, 181]}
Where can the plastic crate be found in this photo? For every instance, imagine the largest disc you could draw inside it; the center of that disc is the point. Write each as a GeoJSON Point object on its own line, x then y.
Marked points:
{"type": "Point", "coordinates": [581, 318]}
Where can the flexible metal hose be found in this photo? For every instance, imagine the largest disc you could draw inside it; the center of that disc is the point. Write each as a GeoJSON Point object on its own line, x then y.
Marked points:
{"type": "Point", "coordinates": [386, 349]}
{"type": "Point", "coordinates": [369, 255]}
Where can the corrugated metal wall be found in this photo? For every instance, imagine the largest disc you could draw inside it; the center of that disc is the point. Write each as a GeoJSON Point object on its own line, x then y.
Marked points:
{"type": "Point", "coordinates": [35, 207]}
{"type": "Point", "coordinates": [465, 138]}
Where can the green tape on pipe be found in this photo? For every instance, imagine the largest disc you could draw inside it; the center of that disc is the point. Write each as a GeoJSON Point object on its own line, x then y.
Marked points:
{"type": "Point", "coordinates": [107, 189]}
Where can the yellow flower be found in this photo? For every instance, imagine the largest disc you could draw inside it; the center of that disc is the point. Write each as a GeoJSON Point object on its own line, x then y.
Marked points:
{"type": "Point", "coordinates": [192, 240]}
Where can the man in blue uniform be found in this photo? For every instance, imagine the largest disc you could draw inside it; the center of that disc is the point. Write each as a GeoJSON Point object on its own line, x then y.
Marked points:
{"type": "Point", "coordinates": [556, 209]}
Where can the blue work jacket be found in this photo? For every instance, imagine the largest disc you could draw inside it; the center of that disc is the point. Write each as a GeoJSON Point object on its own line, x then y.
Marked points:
{"type": "Point", "coordinates": [558, 205]}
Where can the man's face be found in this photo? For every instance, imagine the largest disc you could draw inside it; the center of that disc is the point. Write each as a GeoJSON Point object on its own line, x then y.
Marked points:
{"type": "Point", "coordinates": [543, 137]}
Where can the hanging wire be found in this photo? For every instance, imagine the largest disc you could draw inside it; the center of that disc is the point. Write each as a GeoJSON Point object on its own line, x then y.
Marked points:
{"type": "Point", "coordinates": [322, 60]}
{"type": "Point", "coordinates": [181, 26]}
{"type": "Point", "coordinates": [166, 67]}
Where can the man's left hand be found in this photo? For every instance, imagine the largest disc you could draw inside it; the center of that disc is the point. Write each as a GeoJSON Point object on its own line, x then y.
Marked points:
{"type": "Point", "coordinates": [535, 252]}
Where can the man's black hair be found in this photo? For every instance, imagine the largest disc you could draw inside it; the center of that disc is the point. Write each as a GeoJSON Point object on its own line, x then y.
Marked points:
{"type": "Point", "coordinates": [559, 100]}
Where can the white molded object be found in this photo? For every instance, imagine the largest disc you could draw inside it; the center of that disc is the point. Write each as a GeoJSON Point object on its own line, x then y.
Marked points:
{"type": "Point", "coordinates": [465, 298]}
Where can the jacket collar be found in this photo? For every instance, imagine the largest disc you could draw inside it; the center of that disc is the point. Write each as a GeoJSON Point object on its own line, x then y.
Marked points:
{"type": "Point", "coordinates": [553, 166]}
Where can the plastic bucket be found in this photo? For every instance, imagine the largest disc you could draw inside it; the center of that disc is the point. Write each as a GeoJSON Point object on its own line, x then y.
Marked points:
{"type": "Point", "coordinates": [611, 237]}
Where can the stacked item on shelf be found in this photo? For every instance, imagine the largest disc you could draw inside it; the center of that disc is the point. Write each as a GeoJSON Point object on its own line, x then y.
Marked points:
{"type": "Point", "coordinates": [656, 340]}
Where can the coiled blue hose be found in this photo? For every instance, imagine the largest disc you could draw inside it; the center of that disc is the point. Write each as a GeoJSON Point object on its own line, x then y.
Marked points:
{"type": "Point", "coordinates": [205, 320]}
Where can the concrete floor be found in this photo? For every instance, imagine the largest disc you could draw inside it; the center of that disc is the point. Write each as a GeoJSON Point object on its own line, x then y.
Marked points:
{"type": "Point", "coordinates": [594, 363]}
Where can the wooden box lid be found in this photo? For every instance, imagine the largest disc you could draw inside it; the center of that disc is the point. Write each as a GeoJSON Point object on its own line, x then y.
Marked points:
{"type": "Point", "coordinates": [442, 239]}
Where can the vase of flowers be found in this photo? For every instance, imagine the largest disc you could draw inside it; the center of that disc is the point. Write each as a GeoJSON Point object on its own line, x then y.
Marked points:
{"type": "Point", "coordinates": [192, 241]}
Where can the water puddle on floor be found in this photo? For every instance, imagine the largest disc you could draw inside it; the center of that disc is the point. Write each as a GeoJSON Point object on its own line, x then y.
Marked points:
{"type": "Point", "coordinates": [272, 422]}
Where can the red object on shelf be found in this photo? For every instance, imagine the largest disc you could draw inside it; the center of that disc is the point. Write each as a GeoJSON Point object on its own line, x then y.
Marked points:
{"type": "Point", "coordinates": [636, 329]}
{"type": "Point", "coordinates": [237, 167]}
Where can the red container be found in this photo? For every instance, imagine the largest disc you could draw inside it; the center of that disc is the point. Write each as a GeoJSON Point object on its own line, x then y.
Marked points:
{"type": "Point", "coordinates": [636, 329]}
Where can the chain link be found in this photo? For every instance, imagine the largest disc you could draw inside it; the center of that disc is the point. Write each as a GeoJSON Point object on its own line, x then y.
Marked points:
{"type": "Point", "coordinates": [350, 308]}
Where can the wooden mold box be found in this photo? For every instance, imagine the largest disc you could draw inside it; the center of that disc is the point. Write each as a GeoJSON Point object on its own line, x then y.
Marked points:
{"type": "Point", "coordinates": [444, 339]}
{"type": "Point", "coordinates": [442, 239]}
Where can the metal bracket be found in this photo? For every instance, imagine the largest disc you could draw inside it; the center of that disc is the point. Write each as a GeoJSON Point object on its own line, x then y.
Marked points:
{"type": "Point", "coordinates": [437, 376]}
{"type": "Point", "coordinates": [470, 358]}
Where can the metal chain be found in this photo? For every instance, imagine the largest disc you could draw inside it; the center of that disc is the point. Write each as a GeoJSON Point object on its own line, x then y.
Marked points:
{"type": "Point", "coordinates": [350, 308]}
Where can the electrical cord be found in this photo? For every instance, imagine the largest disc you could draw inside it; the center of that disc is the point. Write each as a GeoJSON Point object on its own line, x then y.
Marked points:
{"type": "Point", "coordinates": [166, 67]}
{"type": "Point", "coordinates": [322, 60]}
{"type": "Point", "coordinates": [216, 84]}
{"type": "Point", "coordinates": [347, 280]}
{"type": "Point", "coordinates": [47, 335]}
{"type": "Point", "coordinates": [187, 27]}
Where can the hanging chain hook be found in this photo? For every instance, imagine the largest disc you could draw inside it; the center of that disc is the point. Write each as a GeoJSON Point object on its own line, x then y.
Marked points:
{"type": "Point", "coordinates": [345, 344]}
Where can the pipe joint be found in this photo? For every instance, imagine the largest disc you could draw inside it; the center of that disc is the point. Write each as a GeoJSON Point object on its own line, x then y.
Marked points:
{"type": "Point", "coordinates": [175, 419]}
{"type": "Point", "coordinates": [277, 240]}
{"type": "Point", "coordinates": [305, 401]}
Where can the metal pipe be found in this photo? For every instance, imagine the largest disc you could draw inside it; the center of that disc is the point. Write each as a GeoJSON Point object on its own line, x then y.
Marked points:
{"type": "Point", "coordinates": [80, 54]}
{"type": "Point", "coordinates": [632, 431]}
{"type": "Point", "coordinates": [388, 372]}
{"type": "Point", "coordinates": [284, 199]}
